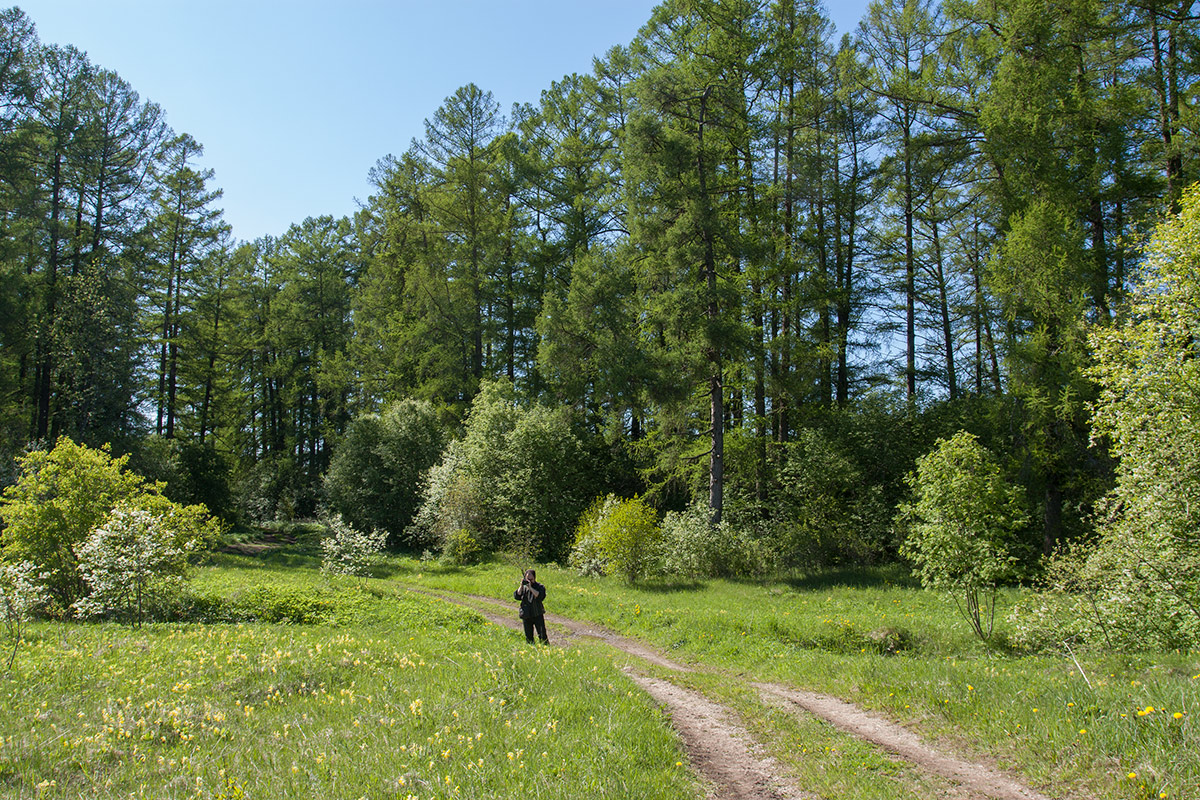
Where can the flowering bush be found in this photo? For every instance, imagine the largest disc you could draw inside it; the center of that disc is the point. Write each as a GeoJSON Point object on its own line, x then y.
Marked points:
{"type": "Point", "coordinates": [134, 563]}
{"type": "Point", "coordinates": [20, 593]}
{"type": "Point", "coordinates": [60, 499]}
{"type": "Point", "coordinates": [451, 501]}
{"type": "Point", "coordinates": [347, 551]}
{"type": "Point", "coordinates": [695, 548]}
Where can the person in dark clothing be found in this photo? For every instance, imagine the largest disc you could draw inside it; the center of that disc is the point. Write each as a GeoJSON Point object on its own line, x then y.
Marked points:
{"type": "Point", "coordinates": [533, 614]}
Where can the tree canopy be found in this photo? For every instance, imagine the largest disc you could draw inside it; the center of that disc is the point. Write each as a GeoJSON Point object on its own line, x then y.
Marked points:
{"type": "Point", "coordinates": [737, 241]}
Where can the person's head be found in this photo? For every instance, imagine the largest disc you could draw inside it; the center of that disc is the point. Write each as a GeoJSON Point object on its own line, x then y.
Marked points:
{"type": "Point", "coordinates": [530, 575]}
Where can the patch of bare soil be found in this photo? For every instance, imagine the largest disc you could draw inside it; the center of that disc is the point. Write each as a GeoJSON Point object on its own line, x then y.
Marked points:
{"type": "Point", "coordinates": [718, 748]}
{"type": "Point", "coordinates": [721, 751]}
{"type": "Point", "coordinates": [266, 542]}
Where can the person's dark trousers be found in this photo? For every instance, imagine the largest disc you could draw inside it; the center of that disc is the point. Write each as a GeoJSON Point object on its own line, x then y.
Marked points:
{"type": "Point", "coordinates": [540, 624]}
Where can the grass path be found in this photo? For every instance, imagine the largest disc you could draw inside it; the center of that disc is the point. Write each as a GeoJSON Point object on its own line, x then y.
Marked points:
{"type": "Point", "coordinates": [724, 753]}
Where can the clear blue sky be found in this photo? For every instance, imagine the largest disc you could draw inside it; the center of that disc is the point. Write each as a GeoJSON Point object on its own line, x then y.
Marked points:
{"type": "Point", "coordinates": [295, 100]}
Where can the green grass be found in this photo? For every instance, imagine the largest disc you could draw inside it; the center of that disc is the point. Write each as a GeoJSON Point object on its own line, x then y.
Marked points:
{"type": "Point", "coordinates": [396, 695]}
{"type": "Point", "coordinates": [373, 691]}
{"type": "Point", "coordinates": [1072, 730]}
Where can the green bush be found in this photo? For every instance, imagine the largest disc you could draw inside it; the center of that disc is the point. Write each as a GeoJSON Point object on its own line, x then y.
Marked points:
{"type": "Point", "coordinates": [375, 477]}
{"type": "Point", "coordinates": [1141, 578]}
{"type": "Point", "coordinates": [460, 549]}
{"type": "Point", "coordinates": [961, 525]}
{"type": "Point", "coordinates": [621, 537]}
{"type": "Point", "coordinates": [695, 548]}
{"type": "Point", "coordinates": [283, 605]}
{"type": "Point", "coordinates": [63, 495]}
{"type": "Point", "coordinates": [452, 501]}
{"type": "Point", "coordinates": [827, 513]}
{"type": "Point", "coordinates": [516, 481]}
{"type": "Point", "coordinates": [585, 554]}
{"type": "Point", "coordinates": [273, 489]}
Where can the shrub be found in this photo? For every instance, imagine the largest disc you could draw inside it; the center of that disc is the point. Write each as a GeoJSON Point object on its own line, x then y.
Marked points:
{"type": "Point", "coordinates": [63, 495]}
{"type": "Point", "coordinates": [134, 564]}
{"type": "Point", "coordinates": [623, 536]}
{"type": "Point", "coordinates": [451, 501]}
{"type": "Point", "coordinates": [516, 481]}
{"type": "Point", "coordinates": [585, 555]}
{"type": "Point", "coordinates": [1142, 576]}
{"type": "Point", "coordinates": [460, 548]}
{"type": "Point", "coordinates": [375, 477]}
{"type": "Point", "coordinates": [543, 486]}
{"type": "Point", "coordinates": [1114, 593]}
{"type": "Point", "coordinates": [21, 592]}
{"type": "Point", "coordinates": [694, 547]}
{"type": "Point", "coordinates": [827, 513]}
{"type": "Point", "coordinates": [961, 524]}
{"type": "Point", "coordinates": [279, 605]}
{"type": "Point", "coordinates": [348, 551]}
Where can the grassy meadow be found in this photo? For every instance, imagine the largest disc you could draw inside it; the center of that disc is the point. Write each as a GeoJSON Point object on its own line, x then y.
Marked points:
{"type": "Point", "coordinates": [1075, 725]}
{"type": "Point", "coordinates": [349, 688]}
{"type": "Point", "coordinates": [380, 693]}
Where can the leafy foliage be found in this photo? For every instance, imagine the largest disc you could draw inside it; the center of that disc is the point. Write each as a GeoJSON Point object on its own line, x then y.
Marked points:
{"type": "Point", "coordinates": [515, 481]}
{"type": "Point", "coordinates": [827, 513]}
{"type": "Point", "coordinates": [692, 546]}
{"type": "Point", "coordinates": [374, 478]}
{"type": "Point", "coordinates": [192, 473]}
{"type": "Point", "coordinates": [63, 495]}
{"type": "Point", "coordinates": [621, 537]}
{"type": "Point", "coordinates": [961, 524]}
{"type": "Point", "coordinates": [347, 550]}
{"type": "Point", "coordinates": [134, 564]}
{"type": "Point", "coordinates": [1141, 579]}
{"type": "Point", "coordinates": [460, 548]}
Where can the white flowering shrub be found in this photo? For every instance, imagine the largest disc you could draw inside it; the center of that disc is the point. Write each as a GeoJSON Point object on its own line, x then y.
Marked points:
{"type": "Point", "coordinates": [695, 548]}
{"type": "Point", "coordinates": [134, 564]}
{"type": "Point", "coordinates": [21, 592]}
{"type": "Point", "coordinates": [347, 551]}
{"type": "Point", "coordinates": [451, 501]}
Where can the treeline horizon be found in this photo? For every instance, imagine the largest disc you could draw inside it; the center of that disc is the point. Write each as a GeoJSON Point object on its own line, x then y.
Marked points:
{"type": "Point", "coordinates": [756, 262]}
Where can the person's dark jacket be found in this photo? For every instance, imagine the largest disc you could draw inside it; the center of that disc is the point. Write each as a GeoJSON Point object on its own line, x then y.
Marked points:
{"type": "Point", "coordinates": [531, 594]}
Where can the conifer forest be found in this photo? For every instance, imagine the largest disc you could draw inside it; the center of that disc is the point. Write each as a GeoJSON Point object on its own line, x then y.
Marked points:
{"type": "Point", "coordinates": [743, 265]}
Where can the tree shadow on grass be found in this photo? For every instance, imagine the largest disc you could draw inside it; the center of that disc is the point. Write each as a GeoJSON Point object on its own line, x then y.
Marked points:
{"type": "Point", "coordinates": [888, 576]}
{"type": "Point", "coordinates": [670, 586]}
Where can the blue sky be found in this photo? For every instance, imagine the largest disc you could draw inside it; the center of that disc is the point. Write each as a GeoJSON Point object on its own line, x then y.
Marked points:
{"type": "Point", "coordinates": [295, 101]}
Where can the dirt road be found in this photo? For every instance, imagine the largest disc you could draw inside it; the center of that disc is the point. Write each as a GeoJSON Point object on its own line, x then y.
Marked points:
{"type": "Point", "coordinates": [722, 751]}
